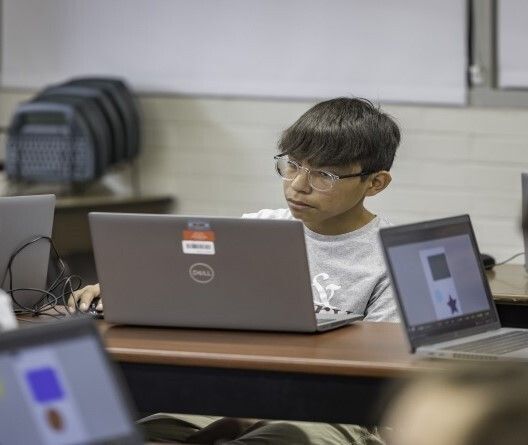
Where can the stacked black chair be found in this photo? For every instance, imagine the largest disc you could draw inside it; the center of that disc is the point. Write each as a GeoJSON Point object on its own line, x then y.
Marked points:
{"type": "Point", "coordinates": [120, 94]}
{"type": "Point", "coordinates": [108, 113]}
{"type": "Point", "coordinates": [73, 132]}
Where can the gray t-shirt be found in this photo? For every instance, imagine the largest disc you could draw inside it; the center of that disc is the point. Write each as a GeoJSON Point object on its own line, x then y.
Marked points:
{"type": "Point", "coordinates": [348, 271]}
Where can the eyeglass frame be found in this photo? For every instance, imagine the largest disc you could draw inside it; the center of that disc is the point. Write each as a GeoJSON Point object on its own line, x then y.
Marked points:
{"type": "Point", "coordinates": [333, 176]}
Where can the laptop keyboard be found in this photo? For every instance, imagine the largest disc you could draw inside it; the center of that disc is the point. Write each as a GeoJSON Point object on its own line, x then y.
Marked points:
{"type": "Point", "coordinates": [325, 319]}
{"type": "Point", "coordinates": [500, 344]}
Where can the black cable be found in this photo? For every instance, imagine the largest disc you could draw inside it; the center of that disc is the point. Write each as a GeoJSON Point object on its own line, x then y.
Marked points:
{"type": "Point", "coordinates": [36, 306]}
{"type": "Point", "coordinates": [509, 259]}
{"type": "Point", "coordinates": [49, 300]}
{"type": "Point", "coordinates": [35, 309]}
{"type": "Point", "coordinates": [20, 249]}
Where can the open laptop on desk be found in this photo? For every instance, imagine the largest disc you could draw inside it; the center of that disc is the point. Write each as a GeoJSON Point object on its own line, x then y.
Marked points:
{"type": "Point", "coordinates": [206, 272]}
{"type": "Point", "coordinates": [23, 219]}
{"type": "Point", "coordinates": [58, 387]}
{"type": "Point", "coordinates": [443, 295]}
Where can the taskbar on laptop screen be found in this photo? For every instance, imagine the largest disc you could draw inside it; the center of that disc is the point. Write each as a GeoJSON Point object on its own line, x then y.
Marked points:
{"type": "Point", "coordinates": [448, 326]}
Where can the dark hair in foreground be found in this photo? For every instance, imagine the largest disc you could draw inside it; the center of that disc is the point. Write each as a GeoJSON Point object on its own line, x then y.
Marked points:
{"type": "Point", "coordinates": [342, 132]}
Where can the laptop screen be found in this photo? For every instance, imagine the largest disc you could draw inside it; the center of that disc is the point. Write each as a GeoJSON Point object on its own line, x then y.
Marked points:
{"type": "Point", "coordinates": [60, 390]}
{"type": "Point", "coordinates": [440, 284]}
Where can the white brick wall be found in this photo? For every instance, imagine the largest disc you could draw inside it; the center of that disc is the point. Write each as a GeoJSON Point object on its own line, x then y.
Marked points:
{"type": "Point", "coordinates": [215, 156]}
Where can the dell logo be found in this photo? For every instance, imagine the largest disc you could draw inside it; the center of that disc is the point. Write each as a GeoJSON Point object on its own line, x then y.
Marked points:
{"type": "Point", "coordinates": [201, 273]}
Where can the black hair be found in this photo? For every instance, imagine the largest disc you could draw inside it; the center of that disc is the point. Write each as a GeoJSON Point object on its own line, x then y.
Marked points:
{"type": "Point", "coordinates": [342, 132]}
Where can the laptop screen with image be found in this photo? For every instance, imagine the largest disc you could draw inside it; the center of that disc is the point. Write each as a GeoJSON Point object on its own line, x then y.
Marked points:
{"type": "Point", "coordinates": [58, 388]}
{"type": "Point", "coordinates": [441, 287]}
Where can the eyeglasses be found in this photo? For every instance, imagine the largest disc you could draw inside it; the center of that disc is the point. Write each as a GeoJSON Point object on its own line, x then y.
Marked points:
{"type": "Point", "coordinates": [288, 169]}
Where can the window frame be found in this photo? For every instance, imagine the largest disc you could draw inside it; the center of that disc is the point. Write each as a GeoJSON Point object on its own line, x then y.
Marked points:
{"type": "Point", "coordinates": [483, 89]}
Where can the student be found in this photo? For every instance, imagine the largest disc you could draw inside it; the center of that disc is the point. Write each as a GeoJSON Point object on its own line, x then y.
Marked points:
{"type": "Point", "coordinates": [337, 153]}
{"type": "Point", "coordinates": [466, 405]}
{"type": "Point", "coordinates": [333, 157]}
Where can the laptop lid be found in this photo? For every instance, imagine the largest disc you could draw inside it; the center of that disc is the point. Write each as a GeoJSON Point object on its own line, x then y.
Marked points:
{"type": "Point", "coordinates": [439, 281]}
{"type": "Point", "coordinates": [57, 386]}
{"type": "Point", "coordinates": [203, 272]}
{"type": "Point", "coordinates": [22, 219]}
{"type": "Point", "coordinates": [524, 199]}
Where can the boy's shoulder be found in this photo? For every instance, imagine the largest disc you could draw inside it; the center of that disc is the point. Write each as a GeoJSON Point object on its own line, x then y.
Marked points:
{"type": "Point", "coordinates": [370, 230]}
{"type": "Point", "coordinates": [270, 214]}
{"type": "Point", "coordinates": [384, 221]}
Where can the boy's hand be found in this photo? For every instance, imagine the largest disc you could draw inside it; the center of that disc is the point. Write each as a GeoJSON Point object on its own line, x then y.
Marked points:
{"type": "Point", "coordinates": [84, 297]}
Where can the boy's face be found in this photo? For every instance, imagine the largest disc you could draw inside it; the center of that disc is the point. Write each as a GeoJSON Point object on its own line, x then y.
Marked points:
{"type": "Point", "coordinates": [334, 211]}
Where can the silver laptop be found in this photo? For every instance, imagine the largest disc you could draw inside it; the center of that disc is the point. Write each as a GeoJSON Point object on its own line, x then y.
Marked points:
{"type": "Point", "coordinates": [23, 219]}
{"type": "Point", "coordinates": [524, 200]}
{"type": "Point", "coordinates": [58, 387]}
{"type": "Point", "coordinates": [443, 295]}
{"type": "Point", "coordinates": [206, 272]}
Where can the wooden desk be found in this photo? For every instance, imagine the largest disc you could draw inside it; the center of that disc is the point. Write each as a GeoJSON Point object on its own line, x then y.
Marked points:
{"type": "Point", "coordinates": [509, 283]}
{"type": "Point", "coordinates": [338, 376]}
{"type": "Point", "coordinates": [509, 286]}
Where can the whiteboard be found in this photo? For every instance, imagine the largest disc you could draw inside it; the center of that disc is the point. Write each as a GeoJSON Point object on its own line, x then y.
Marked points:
{"type": "Point", "coordinates": [512, 34]}
{"type": "Point", "coordinates": [403, 51]}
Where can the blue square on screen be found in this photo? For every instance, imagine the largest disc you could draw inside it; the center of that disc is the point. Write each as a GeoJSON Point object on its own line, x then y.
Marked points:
{"type": "Point", "coordinates": [44, 385]}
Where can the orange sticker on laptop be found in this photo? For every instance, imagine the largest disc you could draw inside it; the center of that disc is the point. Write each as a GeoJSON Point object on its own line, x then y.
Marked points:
{"type": "Point", "coordinates": [198, 235]}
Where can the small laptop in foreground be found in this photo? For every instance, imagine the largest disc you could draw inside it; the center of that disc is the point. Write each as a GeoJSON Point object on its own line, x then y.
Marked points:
{"type": "Point", "coordinates": [443, 295]}
{"type": "Point", "coordinates": [58, 387]}
{"type": "Point", "coordinates": [206, 272]}
{"type": "Point", "coordinates": [23, 219]}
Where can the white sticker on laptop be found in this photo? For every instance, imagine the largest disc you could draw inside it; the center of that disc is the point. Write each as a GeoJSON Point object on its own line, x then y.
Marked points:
{"type": "Point", "coordinates": [198, 247]}
{"type": "Point", "coordinates": [198, 239]}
